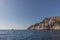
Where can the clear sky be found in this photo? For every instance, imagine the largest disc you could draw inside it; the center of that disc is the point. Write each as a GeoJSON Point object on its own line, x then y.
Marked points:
{"type": "Point", "coordinates": [20, 14]}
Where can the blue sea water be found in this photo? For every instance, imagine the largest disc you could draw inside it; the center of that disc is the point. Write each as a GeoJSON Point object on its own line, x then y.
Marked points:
{"type": "Point", "coordinates": [29, 35]}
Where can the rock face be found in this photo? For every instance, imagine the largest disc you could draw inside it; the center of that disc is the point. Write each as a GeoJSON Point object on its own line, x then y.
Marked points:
{"type": "Point", "coordinates": [47, 24]}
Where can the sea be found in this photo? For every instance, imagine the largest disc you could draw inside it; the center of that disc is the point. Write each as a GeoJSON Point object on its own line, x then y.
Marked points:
{"type": "Point", "coordinates": [29, 34]}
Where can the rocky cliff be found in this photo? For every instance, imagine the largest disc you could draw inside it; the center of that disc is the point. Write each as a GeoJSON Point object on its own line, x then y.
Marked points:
{"type": "Point", "coordinates": [47, 23]}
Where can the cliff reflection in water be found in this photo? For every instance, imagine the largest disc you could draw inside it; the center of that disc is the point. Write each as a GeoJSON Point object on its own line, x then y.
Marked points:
{"type": "Point", "coordinates": [29, 34]}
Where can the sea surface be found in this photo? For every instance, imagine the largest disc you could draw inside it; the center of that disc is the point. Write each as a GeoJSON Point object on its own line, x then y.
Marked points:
{"type": "Point", "coordinates": [29, 34]}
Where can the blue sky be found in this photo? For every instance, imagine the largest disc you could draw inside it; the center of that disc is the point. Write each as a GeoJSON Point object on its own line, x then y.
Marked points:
{"type": "Point", "coordinates": [20, 14]}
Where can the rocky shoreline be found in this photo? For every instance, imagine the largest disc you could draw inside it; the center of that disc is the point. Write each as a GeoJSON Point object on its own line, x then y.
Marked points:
{"type": "Point", "coordinates": [47, 24]}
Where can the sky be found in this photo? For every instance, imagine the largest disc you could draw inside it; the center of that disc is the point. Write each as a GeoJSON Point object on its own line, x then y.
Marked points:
{"type": "Point", "coordinates": [20, 14]}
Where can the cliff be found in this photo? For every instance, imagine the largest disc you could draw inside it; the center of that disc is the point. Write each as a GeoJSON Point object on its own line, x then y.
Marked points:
{"type": "Point", "coordinates": [47, 24]}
